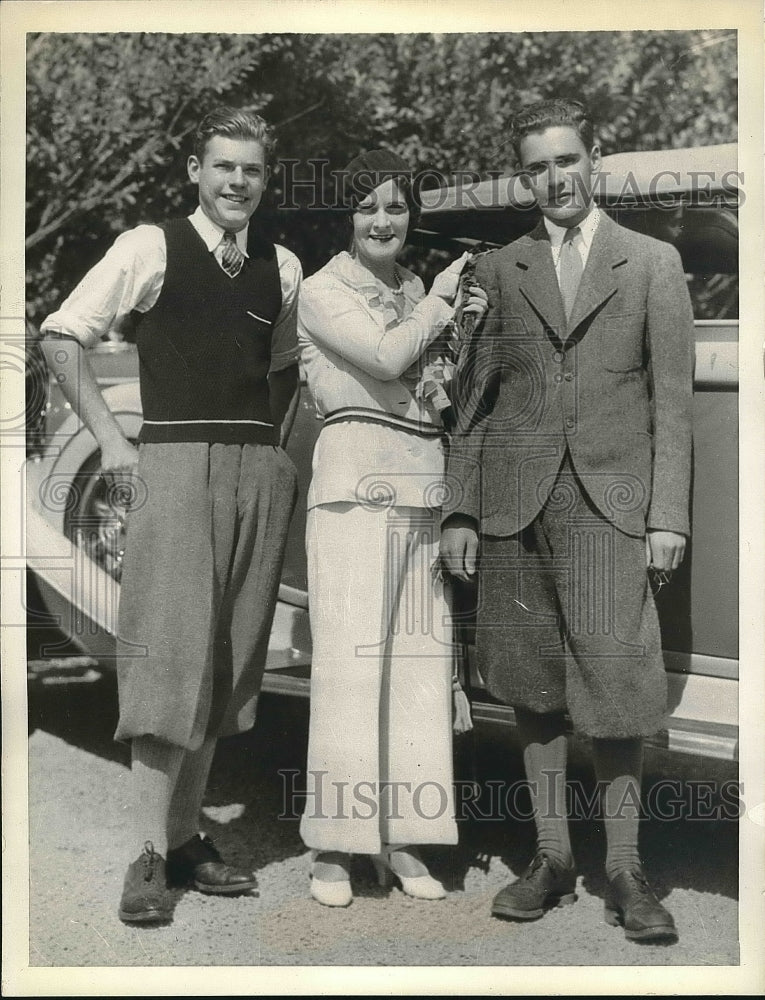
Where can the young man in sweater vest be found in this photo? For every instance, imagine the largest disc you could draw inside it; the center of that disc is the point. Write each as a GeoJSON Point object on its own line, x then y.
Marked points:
{"type": "Point", "coordinates": [216, 308]}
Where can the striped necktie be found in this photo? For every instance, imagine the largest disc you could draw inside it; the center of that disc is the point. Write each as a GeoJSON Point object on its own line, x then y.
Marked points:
{"type": "Point", "coordinates": [571, 267]}
{"type": "Point", "coordinates": [232, 257]}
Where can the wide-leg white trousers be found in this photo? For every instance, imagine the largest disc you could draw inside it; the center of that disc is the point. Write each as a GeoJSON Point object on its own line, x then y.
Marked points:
{"type": "Point", "coordinates": [380, 751]}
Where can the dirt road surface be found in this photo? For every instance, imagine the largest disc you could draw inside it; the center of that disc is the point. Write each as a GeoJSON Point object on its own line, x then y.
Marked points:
{"type": "Point", "coordinates": [80, 841]}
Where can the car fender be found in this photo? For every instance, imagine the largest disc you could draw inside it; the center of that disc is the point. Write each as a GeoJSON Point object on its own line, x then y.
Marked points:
{"type": "Point", "coordinates": [73, 444]}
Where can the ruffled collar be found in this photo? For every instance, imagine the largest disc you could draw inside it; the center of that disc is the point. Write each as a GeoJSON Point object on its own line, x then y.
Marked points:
{"type": "Point", "coordinates": [344, 267]}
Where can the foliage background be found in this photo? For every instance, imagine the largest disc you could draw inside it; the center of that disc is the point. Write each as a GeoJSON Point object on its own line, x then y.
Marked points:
{"type": "Point", "coordinates": [109, 117]}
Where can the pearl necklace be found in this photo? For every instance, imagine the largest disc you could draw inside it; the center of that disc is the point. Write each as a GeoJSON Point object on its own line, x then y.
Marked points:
{"type": "Point", "coordinates": [399, 288]}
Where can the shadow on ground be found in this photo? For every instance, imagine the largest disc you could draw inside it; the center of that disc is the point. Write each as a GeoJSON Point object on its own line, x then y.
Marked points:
{"type": "Point", "coordinates": [262, 773]}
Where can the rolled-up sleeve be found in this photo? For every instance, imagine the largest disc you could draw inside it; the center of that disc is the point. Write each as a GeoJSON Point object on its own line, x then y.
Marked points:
{"type": "Point", "coordinates": [284, 344]}
{"type": "Point", "coordinates": [334, 318]}
{"type": "Point", "coordinates": [129, 276]}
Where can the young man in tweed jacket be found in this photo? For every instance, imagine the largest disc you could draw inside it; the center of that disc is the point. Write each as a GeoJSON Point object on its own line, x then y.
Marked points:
{"type": "Point", "coordinates": [570, 471]}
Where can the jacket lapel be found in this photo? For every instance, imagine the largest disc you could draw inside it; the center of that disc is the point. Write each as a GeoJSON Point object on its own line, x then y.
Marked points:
{"type": "Point", "coordinates": [598, 279]}
{"type": "Point", "coordinates": [538, 282]}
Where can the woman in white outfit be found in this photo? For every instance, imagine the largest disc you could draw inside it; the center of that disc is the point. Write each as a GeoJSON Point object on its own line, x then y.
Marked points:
{"type": "Point", "coordinates": [379, 756]}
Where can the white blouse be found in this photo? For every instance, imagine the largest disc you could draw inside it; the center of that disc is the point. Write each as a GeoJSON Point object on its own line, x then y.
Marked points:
{"type": "Point", "coordinates": [361, 348]}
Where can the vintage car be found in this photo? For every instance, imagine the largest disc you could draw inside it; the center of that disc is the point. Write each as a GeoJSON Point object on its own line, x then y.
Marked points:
{"type": "Point", "coordinates": [689, 197]}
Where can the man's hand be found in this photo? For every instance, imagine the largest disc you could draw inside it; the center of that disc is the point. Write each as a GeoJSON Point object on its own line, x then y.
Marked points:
{"type": "Point", "coordinates": [118, 467]}
{"type": "Point", "coordinates": [664, 550]}
{"type": "Point", "coordinates": [477, 302]}
{"type": "Point", "coordinates": [459, 547]}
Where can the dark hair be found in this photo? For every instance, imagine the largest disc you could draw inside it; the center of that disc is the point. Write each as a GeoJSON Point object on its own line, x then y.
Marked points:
{"type": "Point", "coordinates": [233, 123]}
{"type": "Point", "coordinates": [547, 114]}
{"type": "Point", "coordinates": [368, 170]}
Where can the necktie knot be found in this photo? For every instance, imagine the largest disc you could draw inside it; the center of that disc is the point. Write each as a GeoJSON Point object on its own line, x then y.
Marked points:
{"type": "Point", "coordinates": [573, 236]}
{"type": "Point", "coordinates": [232, 257]}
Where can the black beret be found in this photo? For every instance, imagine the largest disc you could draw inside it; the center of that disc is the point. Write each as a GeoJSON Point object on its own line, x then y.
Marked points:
{"type": "Point", "coordinates": [368, 170]}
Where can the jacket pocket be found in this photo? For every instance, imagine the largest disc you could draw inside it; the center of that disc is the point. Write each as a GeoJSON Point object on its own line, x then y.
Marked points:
{"type": "Point", "coordinates": [622, 342]}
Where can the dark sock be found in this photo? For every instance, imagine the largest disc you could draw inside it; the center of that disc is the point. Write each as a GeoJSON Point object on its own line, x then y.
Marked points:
{"type": "Point", "coordinates": [545, 746]}
{"type": "Point", "coordinates": [618, 769]}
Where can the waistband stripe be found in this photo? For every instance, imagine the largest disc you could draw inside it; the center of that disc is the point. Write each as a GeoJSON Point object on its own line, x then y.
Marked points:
{"type": "Point", "coordinates": [381, 417]}
{"type": "Point", "coordinates": [173, 423]}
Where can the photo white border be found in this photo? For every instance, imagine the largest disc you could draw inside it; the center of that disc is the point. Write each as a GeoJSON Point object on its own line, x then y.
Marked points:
{"type": "Point", "coordinates": [325, 16]}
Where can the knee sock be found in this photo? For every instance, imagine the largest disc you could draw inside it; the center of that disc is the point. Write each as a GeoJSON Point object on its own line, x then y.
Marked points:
{"type": "Point", "coordinates": [545, 746]}
{"type": "Point", "coordinates": [186, 802]}
{"type": "Point", "coordinates": [618, 769]}
{"type": "Point", "coordinates": [154, 772]}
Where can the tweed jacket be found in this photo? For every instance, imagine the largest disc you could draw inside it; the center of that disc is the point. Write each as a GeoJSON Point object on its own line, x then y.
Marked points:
{"type": "Point", "coordinates": [613, 385]}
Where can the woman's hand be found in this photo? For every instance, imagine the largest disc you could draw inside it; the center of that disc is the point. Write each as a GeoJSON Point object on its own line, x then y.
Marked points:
{"type": "Point", "coordinates": [447, 283]}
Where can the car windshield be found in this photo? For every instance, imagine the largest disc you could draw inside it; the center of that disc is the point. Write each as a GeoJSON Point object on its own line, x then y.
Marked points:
{"type": "Point", "coordinates": [706, 237]}
{"type": "Point", "coordinates": [707, 240]}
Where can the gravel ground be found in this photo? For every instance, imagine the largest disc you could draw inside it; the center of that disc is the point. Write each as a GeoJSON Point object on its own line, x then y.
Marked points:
{"type": "Point", "coordinates": [80, 842]}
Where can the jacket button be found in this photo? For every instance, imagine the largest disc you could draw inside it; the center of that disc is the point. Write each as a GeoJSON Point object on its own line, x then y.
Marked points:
{"type": "Point", "coordinates": [558, 356]}
{"type": "Point", "coordinates": [557, 377]}
{"type": "Point", "coordinates": [569, 376]}
{"type": "Point", "coordinates": [569, 421]}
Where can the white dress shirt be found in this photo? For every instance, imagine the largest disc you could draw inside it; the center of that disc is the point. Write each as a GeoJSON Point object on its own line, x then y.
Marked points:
{"type": "Point", "coordinates": [131, 274]}
{"type": "Point", "coordinates": [587, 227]}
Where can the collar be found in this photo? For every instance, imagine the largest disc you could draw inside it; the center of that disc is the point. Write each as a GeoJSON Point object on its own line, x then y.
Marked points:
{"type": "Point", "coordinates": [358, 277]}
{"type": "Point", "coordinates": [212, 234]}
{"type": "Point", "coordinates": [587, 227]}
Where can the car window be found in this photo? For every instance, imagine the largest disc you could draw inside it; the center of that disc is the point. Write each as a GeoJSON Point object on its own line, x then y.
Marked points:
{"type": "Point", "coordinates": [707, 240]}
{"type": "Point", "coordinates": [705, 236]}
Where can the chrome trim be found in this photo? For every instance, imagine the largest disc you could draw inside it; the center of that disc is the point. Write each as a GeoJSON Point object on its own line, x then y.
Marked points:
{"type": "Point", "coordinates": [677, 662]}
{"type": "Point", "coordinates": [275, 682]}
{"type": "Point", "coordinates": [681, 737]}
{"type": "Point", "coordinates": [293, 596]}
{"type": "Point", "coordinates": [716, 322]}
{"type": "Point", "coordinates": [716, 364]}
{"type": "Point", "coordinates": [113, 347]}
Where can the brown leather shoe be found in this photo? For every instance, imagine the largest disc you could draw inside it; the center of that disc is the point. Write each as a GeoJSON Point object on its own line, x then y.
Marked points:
{"type": "Point", "coordinates": [543, 886]}
{"type": "Point", "coordinates": [145, 896]}
{"type": "Point", "coordinates": [197, 863]}
{"type": "Point", "coordinates": [631, 904]}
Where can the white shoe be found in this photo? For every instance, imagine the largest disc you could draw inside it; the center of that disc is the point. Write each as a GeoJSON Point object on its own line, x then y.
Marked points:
{"type": "Point", "coordinates": [422, 886]}
{"type": "Point", "coordinates": [332, 891]}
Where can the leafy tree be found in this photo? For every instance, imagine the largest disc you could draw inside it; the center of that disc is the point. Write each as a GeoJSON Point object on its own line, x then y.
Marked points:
{"type": "Point", "coordinates": [109, 117]}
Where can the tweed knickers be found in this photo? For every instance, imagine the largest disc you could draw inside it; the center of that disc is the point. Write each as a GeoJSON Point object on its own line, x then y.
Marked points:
{"type": "Point", "coordinates": [566, 619]}
{"type": "Point", "coordinates": [199, 586]}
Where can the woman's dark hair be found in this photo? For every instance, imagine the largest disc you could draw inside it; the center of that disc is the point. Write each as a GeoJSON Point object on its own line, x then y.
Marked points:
{"type": "Point", "coordinates": [368, 170]}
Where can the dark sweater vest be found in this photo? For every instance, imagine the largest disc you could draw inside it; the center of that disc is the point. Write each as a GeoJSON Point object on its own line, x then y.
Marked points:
{"type": "Point", "coordinates": [205, 347]}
